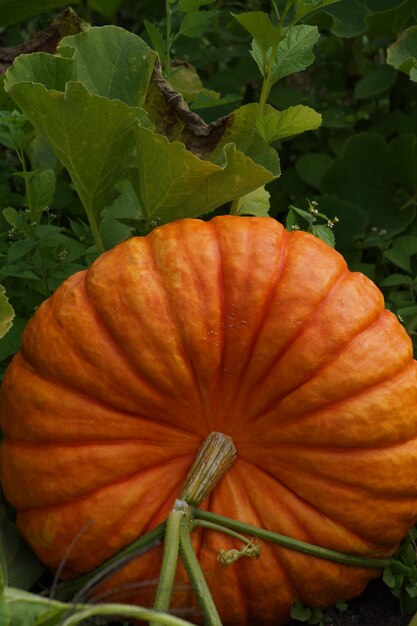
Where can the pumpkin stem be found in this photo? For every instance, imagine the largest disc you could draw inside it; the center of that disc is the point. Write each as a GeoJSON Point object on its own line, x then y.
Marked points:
{"type": "Point", "coordinates": [216, 455]}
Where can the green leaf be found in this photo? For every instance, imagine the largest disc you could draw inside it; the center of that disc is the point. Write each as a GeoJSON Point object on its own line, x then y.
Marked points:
{"type": "Point", "coordinates": [387, 19]}
{"type": "Point", "coordinates": [295, 52]}
{"type": "Point", "coordinates": [40, 154]}
{"type": "Point", "coordinates": [259, 25]}
{"type": "Point", "coordinates": [403, 53]}
{"type": "Point", "coordinates": [185, 80]}
{"type": "Point", "coordinates": [254, 203]}
{"type": "Point", "coordinates": [407, 244]}
{"type": "Point", "coordinates": [111, 62]}
{"type": "Point", "coordinates": [41, 192]}
{"type": "Point", "coordinates": [300, 612]}
{"type": "Point", "coordinates": [196, 23]}
{"type": "Point", "coordinates": [28, 609]}
{"type": "Point", "coordinates": [6, 313]}
{"type": "Point", "coordinates": [311, 167]}
{"type": "Point", "coordinates": [156, 38]}
{"type": "Point", "coordinates": [349, 229]}
{"type": "Point", "coordinates": [11, 216]}
{"type": "Point", "coordinates": [381, 19]}
{"type": "Point", "coordinates": [113, 232]}
{"type": "Point", "coordinates": [12, 11]}
{"type": "Point", "coordinates": [207, 98]}
{"type": "Point", "coordinates": [126, 205]}
{"type": "Point", "coordinates": [10, 343]}
{"type": "Point", "coordinates": [185, 6]}
{"type": "Point", "coordinates": [379, 80]}
{"type": "Point", "coordinates": [108, 8]}
{"type": "Point", "coordinates": [398, 258]}
{"type": "Point", "coordinates": [23, 567]}
{"type": "Point", "coordinates": [90, 135]}
{"type": "Point", "coordinates": [303, 7]}
{"type": "Point", "coordinates": [325, 234]}
{"type": "Point", "coordinates": [396, 280]}
{"type": "Point", "coordinates": [13, 133]}
{"type": "Point", "coordinates": [20, 249]}
{"type": "Point", "coordinates": [363, 176]}
{"type": "Point", "coordinates": [275, 125]}
{"type": "Point", "coordinates": [402, 155]}
{"type": "Point", "coordinates": [413, 621]}
{"type": "Point", "coordinates": [186, 185]}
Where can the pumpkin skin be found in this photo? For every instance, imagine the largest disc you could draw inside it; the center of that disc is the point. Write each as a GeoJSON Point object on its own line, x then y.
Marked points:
{"type": "Point", "coordinates": [233, 325]}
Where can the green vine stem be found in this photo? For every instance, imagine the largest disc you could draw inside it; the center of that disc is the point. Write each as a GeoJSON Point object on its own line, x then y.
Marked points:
{"type": "Point", "coordinates": [168, 39]}
{"type": "Point", "coordinates": [170, 558]}
{"type": "Point", "coordinates": [215, 456]}
{"type": "Point", "coordinates": [294, 544]}
{"type": "Point", "coordinates": [234, 206]}
{"type": "Point", "coordinates": [94, 227]}
{"type": "Point", "coordinates": [68, 589]}
{"type": "Point", "coordinates": [196, 576]}
{"type": "Point", "coordinates": [71, 614]}
{"type": "Point", "coordinates": [266, 85]}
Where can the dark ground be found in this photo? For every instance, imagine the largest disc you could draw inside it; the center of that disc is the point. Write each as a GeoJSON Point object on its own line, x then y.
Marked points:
{"type": "Point", "coordinates": [375, 607]}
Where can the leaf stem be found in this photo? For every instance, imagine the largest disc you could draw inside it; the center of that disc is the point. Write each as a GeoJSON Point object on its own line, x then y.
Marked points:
{"type": "Point", "coordinates": [94, 228]}
{"type": "Point", "coordinates": [168, 39]}
{"type": "Point", "coordinates": [196, 576]}
{"type": "Point", "coordinates": [169, 559]}
{"type": "Point", "coordinates": [219, 528]}
{"type": "Point", "coordinates": [266, 85]}
{"type": "Point", "coordinates": [234, 207]}
{"type": "Point", "coordinates": [55, 610]}
{"type": "Point", "coordinates": [294, 544]}
{"type": "Point", "coordinates": [133, 550]}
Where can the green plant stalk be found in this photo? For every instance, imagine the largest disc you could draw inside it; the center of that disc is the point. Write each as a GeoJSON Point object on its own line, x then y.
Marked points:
{"type": "Point", "coordinates": [266, 85]}
{"type": "Point", "coordinates": [79, 611]}
{"type": "Point", "coordinates": [196, 576]}
{"type": "Point", "coordinates": [168, 40]}
{"type": "Point", "coordinates": [221, 529]}
{"type": "Point", "coordinates": [293, 544]}
{"type": "Point", "coordinates": [234, 207]}
{"type": "Point", "coordinates": [21, 156]}
{"type": "Point", "coordinates": [94, 227]}
{"type": "Point", "coordinates": [169, 560]}
{"type": "Point", "coordinates": [68, 589]}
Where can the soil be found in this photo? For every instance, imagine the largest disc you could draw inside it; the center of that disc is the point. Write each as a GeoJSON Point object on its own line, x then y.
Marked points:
{"type": "Point", "coordinates": [375, 607]}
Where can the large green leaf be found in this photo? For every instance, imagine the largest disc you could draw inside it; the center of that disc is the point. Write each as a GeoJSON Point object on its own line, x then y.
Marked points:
{"type": "Point", "coordinates": [403, 161]}
{"type": "Point", "coordinates": [349, 229]}
{"type": "Point", "coordinates": [28, 609]}
{"type": "Point", "coordinates": [294, 53]}
{"type": "Point", "coordinates": [275, 125]}
{"type": "Point", "coordinates": [381, 18]}
{"type": "Point", "coordinates": [92, 136]}
{"type": "Point", "coordinates": [6, 313]}
{"type": "Point", "coordinates": [364, 177]}
{"type": "Point", "coordinates": [379, 80]}
{"type": "Point", "coordinates": [259, 25]}
{"type": "Point", "coordinates": [187, 186]}
{"type": "Point", "coordinates": [23, 567]}
{"type": "Point", "coordinates": [12, 11]}
{"type": "Point", "coordinates": [111, 62]}
{"type": "Point", "coordinates": [403, 53]}
{"type": "Point", "coordinates": [108, 8]}
{"type": "Point", "coordinates": [85, 103]}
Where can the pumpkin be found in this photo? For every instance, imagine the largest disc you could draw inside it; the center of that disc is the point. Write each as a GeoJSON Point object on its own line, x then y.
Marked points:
{"type": "Point", "coordinates": [236, 326]}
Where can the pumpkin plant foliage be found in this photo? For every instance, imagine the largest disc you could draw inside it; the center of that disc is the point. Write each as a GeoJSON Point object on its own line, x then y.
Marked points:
{"type": "Point", "coordinates": [94, 117]}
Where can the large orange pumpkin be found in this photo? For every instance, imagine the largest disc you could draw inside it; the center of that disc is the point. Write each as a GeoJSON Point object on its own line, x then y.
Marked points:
{"type": "Point", "coordinates": [235, 326]}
